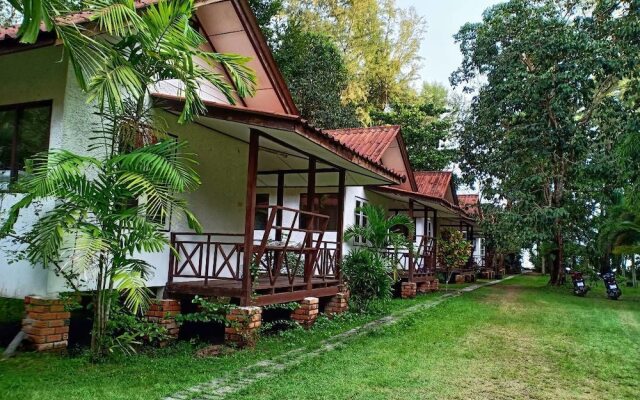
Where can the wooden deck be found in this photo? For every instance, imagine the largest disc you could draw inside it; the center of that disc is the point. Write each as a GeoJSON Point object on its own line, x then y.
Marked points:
{"type": "Point", "coordinates": [266, 293]}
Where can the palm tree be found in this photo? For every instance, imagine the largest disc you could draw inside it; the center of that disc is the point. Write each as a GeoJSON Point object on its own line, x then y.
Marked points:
{"type": "Point", "coordinates": [379, 233]}
{"type": "Point", "coordinates": [109, 206]}
{"type": "Point", "coordinates": [98, 225]}
{"type": "Point", "coordinates": [135, 50]}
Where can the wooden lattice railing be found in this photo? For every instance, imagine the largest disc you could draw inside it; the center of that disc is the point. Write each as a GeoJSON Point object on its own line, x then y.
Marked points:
{"type": "Point", "coordinates": [423, 259]}
{"type": "Point", "coordinates": [206, 256]}
{"type": "Point", "coordinates": [284, 252]}
{"type": "Point", "coordinates": [295, 250]}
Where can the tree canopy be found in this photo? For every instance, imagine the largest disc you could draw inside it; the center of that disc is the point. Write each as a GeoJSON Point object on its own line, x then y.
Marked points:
{"type": "Point", "coordinates": [426, 120]}
{"type": "Point", "coordinates": [544, 122]}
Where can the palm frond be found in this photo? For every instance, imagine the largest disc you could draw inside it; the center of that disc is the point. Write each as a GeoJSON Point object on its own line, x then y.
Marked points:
{"type": "Point", "coordinates": [241, 75]}
{"type": "Point", "coordinates": [116, 80]}
{"type": "Point", "coordinates": [115, 17]}
{"type": "Point", "coordinates": [130, 281]}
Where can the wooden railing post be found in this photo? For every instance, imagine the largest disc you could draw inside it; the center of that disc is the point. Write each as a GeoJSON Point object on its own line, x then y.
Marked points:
{"type": "Point", "coordinates": [206, 260]}
{"type": "Point", "coordinates": [172, 248]}
{"type": "Point", "coordinates": [340, 224]}
{"type": "Point", "coordinates": [411, 242]}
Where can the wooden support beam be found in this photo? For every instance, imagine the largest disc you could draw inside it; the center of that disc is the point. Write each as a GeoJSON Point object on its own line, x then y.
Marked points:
{"type": "Point", "coordinates": [411, 241]}
{"type": "Point", "coordinates": [297, 171]}
{"type": "Point", "coordinates": [436, 236]}
{"type": "Point", "coordinates": [280, 203]}
{"type": "Point", "coordinates": [311, 194]}
{"type": "Point", "coordinates": [340, 222]}
{"type": "Point", "coordinates": [250, 215]}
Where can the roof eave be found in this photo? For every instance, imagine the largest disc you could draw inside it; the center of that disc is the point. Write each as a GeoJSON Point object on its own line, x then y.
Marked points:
{"type": "Point", "coordinates": [291, 123]}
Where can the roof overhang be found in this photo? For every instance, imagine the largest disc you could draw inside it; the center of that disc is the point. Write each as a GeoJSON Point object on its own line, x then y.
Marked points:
{"type": "Point", "coordinates": [283, 133]}
{"type": "Point", "coordinates": [447, 209]}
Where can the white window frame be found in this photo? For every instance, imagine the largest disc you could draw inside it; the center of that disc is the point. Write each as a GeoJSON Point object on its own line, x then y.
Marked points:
{"type": "Point", "coordinates": [359, 220]}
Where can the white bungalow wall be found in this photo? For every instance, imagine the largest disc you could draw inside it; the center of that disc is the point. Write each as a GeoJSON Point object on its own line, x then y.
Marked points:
{"type": "Point", "coordinates": [43, 74]}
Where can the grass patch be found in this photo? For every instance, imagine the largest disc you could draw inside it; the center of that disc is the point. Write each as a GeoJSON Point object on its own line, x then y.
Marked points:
{"type": "Point", "coordinates": [519, 339]}
{"type": "Point", "coordinates": [159, 373]}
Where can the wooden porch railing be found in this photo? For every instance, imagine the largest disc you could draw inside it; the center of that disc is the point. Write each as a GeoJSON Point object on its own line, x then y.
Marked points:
{"type": "Point", "coordinates": [327, 264]}
{"type": "Point", "coordinates": [299, 252]}
{"type": "Point", "coordinates": [206, 256]}
{"type": "Point", "coordinates": [423, 260]}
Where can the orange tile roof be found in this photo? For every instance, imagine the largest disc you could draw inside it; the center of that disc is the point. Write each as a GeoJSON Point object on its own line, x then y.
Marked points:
{"type": "Point", "coordinates": [371, 142]}
{"type": "Point", "coordinates": [433, 183]}
{"type": "Point", "coordinates": [80, 17]}
{"type": "Point", "coordinates": [470, 203]}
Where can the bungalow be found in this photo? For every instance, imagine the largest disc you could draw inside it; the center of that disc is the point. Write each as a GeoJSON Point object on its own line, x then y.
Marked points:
{"type": "Point", "coordinates": [245, 151]}
{"type": "Point", "coordinates": [429, 198]}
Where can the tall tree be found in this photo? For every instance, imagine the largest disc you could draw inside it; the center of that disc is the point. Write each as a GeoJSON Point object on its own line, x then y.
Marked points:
{"type": "Point", "coordinates": [426, 120]}
{"type": "Point", "coordinates": [316, 75]}
{"type": "Point", "coordinates": [549, 69]}
{"type": "Point", "coordinates": [378, 39]}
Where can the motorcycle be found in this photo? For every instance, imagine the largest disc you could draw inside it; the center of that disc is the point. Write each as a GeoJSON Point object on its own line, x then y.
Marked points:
{"type": "Point", "coordinates": [579, 287]}
{"type": "Point", "coordinates": [613, 290]}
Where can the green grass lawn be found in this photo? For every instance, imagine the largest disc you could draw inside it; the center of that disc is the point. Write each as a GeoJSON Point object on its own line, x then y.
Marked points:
{"type": "Point", "coordinates": [518, 339]}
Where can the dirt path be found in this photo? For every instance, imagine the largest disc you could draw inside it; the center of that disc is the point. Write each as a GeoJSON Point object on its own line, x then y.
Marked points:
{"type": "Point", "coordinates": [221, 387]}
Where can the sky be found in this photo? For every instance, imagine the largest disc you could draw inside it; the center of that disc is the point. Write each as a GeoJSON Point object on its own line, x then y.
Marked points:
{"type": "Point", "coordinates": [441, 56]}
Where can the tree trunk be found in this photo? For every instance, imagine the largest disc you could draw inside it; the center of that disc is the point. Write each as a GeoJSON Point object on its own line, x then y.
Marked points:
{"type": "Point", "coordinates": [634, 280]}
{"type": "Point", "coordinates": [558, 252]}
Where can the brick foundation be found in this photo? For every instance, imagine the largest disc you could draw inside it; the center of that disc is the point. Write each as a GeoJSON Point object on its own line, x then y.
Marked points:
{"type": "Point", "coordinates": [338, 303]}
{"type": "Point", "coordinates": [243, 325]}
{"type": "Point", "coordinates": [163, 313]}
{"type": "Point", "coordinates": [306, 314]}
{"type": "Point", "coordinates": [408, 290]}
{"type": "Point", "coordinates": [46, 324]}
{"type": "Point", "coordinates": [488, 274]}
{"type": "Point", "coordinates": [428, 286]}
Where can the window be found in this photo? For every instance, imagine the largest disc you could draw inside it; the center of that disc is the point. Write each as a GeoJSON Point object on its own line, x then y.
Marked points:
{"type": "Point", "coordinates": [360, 220]}
{"type": "Point", "coordinates": [262, 213]}
{"type": "Point", "coordinates": [323, 203]}
{"type": "Point", "coordinates": [24, 132]}
{"type": "Point", "coordinates": [429, 227]}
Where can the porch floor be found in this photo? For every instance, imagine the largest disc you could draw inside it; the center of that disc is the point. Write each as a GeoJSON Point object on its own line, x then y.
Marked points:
{"type": "Point", "coordinates": [280, 292]}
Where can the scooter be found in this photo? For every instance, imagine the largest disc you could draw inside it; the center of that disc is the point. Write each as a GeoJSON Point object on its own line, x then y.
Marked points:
{"type": "Point", "coordinates": [579, 287]}
{"type": "Point", "coordinates": [613, 290]}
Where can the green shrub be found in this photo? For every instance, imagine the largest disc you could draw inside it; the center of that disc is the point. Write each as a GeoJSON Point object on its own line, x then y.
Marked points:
{"type": "Point", "coordinates": [367, 276]}
{"type": "Point", "coordinates": [11, 310]}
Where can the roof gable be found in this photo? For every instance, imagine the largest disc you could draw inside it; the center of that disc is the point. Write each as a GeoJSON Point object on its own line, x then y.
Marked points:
{"type": "Point", "coordinates": [437, 184]}
{"type": "Point", "coordinates": [384, 144]}
{"type": "Point", "coordinates": [229, 27]}
{"type": "Point", "coordinates": [470, 203]}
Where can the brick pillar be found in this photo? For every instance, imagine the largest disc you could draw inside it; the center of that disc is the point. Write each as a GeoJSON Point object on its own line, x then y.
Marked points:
{"type": "Point", "coordinates": [306, 314]}
{"type": "Point", "coordinates": [435, 285]}
{"type": "Point", "coordinates": [422, 287]}
{"type": "Point", "coordinates": [337, 304]}
{"type": "Point", "coordinates": [408, 290]}
{"type": "Point", "coordinates": [46, 323]}
{"type": "Point", "coordinates": [242, 327]}
{"type": "Point", "coordinates": [163, 313]}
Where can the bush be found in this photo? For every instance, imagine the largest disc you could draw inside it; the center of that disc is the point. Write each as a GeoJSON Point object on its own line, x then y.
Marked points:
{"type": "Point", "coordinates": [367, 277]}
